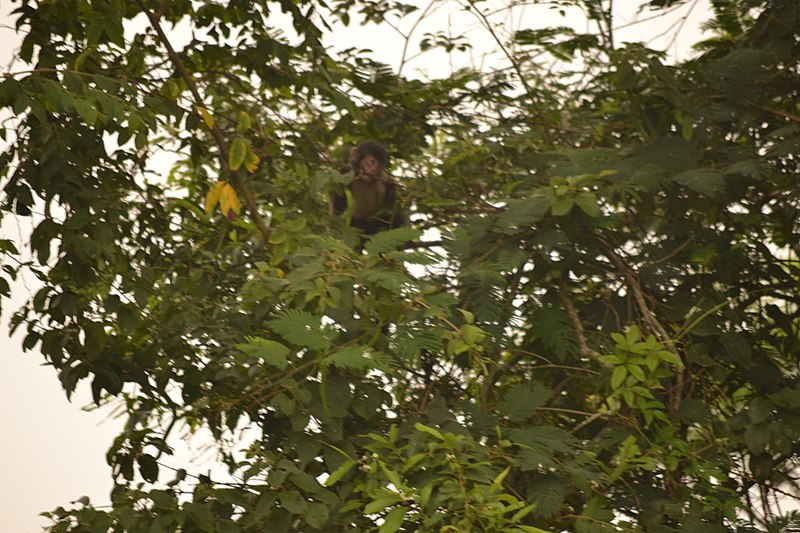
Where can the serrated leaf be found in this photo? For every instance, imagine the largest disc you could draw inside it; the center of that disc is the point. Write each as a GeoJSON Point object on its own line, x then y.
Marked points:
{"type": "Point", "coordinates": [637, 372]}
{"type": "Point", "coordinates": [317, 515]}
{"type": "Point", "coordinates": [202, 515]}
{"type": "Point", "coordinates": [618, 376]}
{"type": "Point", "coordinates": [237, 153]}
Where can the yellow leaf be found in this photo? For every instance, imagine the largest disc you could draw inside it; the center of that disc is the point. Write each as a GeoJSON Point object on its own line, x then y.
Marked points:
{"type": "Point", "coordinates": [238, 153]}
{"type": "Point", "coordinates": [207, 118]}
{"type": "Point", "coordinates": [229, 201]}
{"type": "Point", "coordinates": [212, 198]}
{"type": "Point", "coordinates": [252, 161]}
{"type": "Point", "coordinates": [243, 122]}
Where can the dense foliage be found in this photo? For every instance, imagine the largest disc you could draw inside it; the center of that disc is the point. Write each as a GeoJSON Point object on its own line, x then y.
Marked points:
{"type": "Point", "coordinates": [591, 323]}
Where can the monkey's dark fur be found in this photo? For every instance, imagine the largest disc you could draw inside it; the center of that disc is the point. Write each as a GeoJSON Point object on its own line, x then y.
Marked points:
{"type": "Point", "coordinates": [374, 194]}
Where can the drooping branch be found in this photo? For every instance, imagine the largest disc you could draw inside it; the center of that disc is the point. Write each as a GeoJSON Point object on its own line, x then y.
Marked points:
{"type": "Point", "coordinates": [216, 132]}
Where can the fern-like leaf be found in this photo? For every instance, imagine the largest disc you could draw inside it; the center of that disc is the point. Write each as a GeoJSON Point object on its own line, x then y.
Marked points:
{"type": "Point", "coordinates": [302, 329]}
{"type": "Point", "coordinates": [706, 182]}
{"type": "Point", "coordinates": [358, 357]}
{"type": "Point", "coordinates": [520, 401]}
{"type": "Point", "coordinates": [390, 240]}
{"type": "Point", "coordinates": [548, 492]}
{"type": "Point", "coordinates": [390, 280]}
{"type": "Point", "coordinates": [521, 214]}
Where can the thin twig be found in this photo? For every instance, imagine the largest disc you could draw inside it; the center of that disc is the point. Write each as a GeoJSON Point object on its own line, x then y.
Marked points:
{"type": "Point", "coordinates": [216, 132]}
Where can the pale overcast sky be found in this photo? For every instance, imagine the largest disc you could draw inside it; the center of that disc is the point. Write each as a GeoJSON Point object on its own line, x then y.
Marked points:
{"type": "Point", "coordinates": [52, 452]}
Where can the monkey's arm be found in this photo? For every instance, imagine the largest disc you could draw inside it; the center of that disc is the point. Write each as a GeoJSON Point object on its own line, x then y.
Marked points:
{"type": "Point", "coordinates": [337, 203]}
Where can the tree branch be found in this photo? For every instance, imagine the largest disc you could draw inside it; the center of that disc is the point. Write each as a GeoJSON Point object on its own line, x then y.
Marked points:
{"type": "Point", "coordinates": [649, 318]}
{"type": "Point", "coordinates": [216, 132]}
{"type": "Point", "coordinates": [583, 347]}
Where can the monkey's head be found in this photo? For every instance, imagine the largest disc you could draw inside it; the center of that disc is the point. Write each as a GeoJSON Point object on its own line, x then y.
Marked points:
{"type": "Point", "coordinates": [369, 159]}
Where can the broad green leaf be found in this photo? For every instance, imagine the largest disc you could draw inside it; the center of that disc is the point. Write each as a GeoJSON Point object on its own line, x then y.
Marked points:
{"type": "Point", "coordinates": [393, 520]}
{"type": "Point", "coordinates": [561, 205]}
{"type": "Point", "coordinates": [86, 110]}
{"type": "Point", "coordinates": [340, 472]}
{"type": "Point", "coordinates": [381, 503]}
{"type": "Point", "coordinates": [243, 122]}
{"type": "Point", "coordinates": [238, 153]}
{"type": "Point", "coordinates": [588, 203]}
{"type": "Point", "coordinates": [618, 375]}
{"type": "Point", "coordinates": [293, 501]}
{"type": "Point", "coordinates": [428, 430]}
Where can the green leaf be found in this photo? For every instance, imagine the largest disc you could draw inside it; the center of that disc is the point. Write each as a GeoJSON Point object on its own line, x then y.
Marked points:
{"type": "Point", "coordinates": [393, 520]}
{"type": "Point", "coordinates": [86, 111]}
{"type": "Point", "coordinates": [561, 205]}
{"type": "Point", "coordinates": [302, 329]}
{"type": "Point", "coordinates": [238, 153]}
{"type": "Point", "coordinates": [270, 352]}
{"type": "Point", "coordinates": [381, 503]}
{"type": "Point", "coordinates": [340, 472]}
{"type": "Point", "coordinates": [707, 182]}
{"type": "Point", "coordinates": [390, 240]}
{"type": "Point", "coordinates": [521, 214]}
{"type": "Point", "coordinates": [293, 501]}
{"type": "Point", "coordinates": [428, 430]}
{"type": "Point", "coordinates": [202, 516]}
{"type": "Point", "coordinates": [317, 515]}
{"type": "Point", "coordinates": [521, 401]}
{"type": "Point", "coordinates": [587, 201]}
{"type": "Point", "coordinates": [356, 357]}
{"type": "Point", "coordinates": [148, 468]}
{"type": "Point", "coordinates": [618, 376]}
{"type": "Point", "coordinates": [635, 371]}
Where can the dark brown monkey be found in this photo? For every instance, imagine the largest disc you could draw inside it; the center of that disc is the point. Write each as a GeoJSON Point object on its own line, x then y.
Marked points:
{"type": "Point", "coordinates": [374, 194]}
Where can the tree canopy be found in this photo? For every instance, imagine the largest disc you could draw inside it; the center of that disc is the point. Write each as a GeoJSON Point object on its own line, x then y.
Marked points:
{"type": "Point", "coordinates": [590, 324]}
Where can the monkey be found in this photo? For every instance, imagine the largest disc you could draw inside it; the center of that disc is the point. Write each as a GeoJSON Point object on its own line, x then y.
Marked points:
{"type": "Point", "coordinates": [373, 192]}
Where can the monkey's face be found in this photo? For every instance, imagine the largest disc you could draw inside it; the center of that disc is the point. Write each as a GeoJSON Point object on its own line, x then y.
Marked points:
{"type": "Point", "coordinates": [370, 166]}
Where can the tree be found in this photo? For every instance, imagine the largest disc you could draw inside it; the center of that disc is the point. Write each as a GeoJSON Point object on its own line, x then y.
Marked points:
{"type": "Point", "coordinates": [591, 323]}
